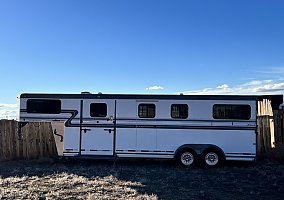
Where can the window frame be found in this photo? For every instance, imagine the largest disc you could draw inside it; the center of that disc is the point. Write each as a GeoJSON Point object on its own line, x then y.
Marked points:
{"type": "Point", "coordinates": [94, 116]}
{"type": "Point", "coordinates": [45, 102]}
{"type": "Point", "coordinates": [233, 116]}
{"type": "Point", "coordinates": [187, 114]}
{"type": "Point", "coordinates": [147, 104]}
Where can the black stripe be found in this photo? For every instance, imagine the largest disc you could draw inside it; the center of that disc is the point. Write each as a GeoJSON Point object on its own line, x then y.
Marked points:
{"type": "Point", "coordinates": [140, 96]}
{"type": "Point", "coordinates": [71, 152]}
{"type": "Point", "coordinates": [74, 114]}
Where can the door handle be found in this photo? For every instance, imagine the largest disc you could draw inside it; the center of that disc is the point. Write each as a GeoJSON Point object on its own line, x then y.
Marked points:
{"type": "Point", "coordinates": [109, 130]}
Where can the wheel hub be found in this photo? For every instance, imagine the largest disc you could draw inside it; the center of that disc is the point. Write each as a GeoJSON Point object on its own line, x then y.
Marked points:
{"type": "Point", "coordinates": [187, 158]}
{"type": "Point", "coordinates": [211, 159]}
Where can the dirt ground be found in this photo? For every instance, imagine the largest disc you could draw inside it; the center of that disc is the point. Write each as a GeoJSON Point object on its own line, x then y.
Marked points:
{"type": "Point", "coordinates": [93, 179]}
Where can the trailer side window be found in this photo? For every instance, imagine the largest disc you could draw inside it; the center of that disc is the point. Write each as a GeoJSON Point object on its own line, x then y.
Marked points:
{"type": "Point", "coordinates": [146, 110]}
{"type": "Point", "coordinates": [226, 111]}
{"type": "Point", "coordinates": [98, 110]}
{"type": "Point", "coordinates": [179, 111]}
{"type": "Point", "coordinates": [43, 106]}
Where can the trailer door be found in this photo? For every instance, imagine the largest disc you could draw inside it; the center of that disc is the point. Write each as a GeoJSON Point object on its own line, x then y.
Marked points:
{"type": "Point", "coordinates": [146, 127]}
{"type": "Point", "coordinates": [97, 127]}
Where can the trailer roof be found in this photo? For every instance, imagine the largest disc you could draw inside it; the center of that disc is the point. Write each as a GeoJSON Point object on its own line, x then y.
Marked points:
{"type": "Point", "coordinates": [151, 96]}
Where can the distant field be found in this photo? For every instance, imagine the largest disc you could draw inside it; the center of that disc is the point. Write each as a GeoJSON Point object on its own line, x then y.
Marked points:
{"type": "Point", "coordinates": [138, 180]}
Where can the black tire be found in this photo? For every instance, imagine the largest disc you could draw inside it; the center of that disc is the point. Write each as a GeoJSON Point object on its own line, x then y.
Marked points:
{"type": "Point", "coordinates": [187, 158]}
{"type": "Point", "coordinates": [212, 157]}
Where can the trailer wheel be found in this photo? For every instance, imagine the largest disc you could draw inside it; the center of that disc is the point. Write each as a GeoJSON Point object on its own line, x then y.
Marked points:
{"type": "Point", "coordinates": [212, 157]}
{"type": "Point", "coordinates": [187, 157]}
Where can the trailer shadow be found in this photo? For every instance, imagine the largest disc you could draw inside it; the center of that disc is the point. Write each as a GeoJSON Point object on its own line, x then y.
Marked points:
{"type": "Point", "coordinates": [164, 179]}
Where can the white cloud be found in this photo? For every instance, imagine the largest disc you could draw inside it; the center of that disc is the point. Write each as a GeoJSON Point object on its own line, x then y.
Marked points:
{"type": "Point", "coordinates": [257, 82]}
{"type": "Point", "coordinates": [155, 88]}
{"type": "Point", "coordinates": [224, 86]}
{"type": "Point", "coordinates": [252, 87]}
{"type": "Point", "coordinates": [270, 87]}
{"type": "Point", "coordinates": [8, 111]}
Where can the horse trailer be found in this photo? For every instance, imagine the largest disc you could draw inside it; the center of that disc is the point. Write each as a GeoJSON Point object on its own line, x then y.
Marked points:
{"type": "Point", "coordinates": [189, 128]}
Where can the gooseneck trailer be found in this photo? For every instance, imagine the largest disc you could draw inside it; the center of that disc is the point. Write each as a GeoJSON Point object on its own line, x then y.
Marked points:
{"type": "Point", "coordinates": [188, 128]}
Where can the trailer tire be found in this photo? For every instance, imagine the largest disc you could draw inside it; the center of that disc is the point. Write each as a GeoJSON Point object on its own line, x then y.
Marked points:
{"type": "Point", "coordinates": [187, 157]}
{"type": "Point", "coordinates": [212, 157]}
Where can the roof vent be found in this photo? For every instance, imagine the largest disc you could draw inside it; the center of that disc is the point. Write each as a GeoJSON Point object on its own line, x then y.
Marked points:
{"type": "Point", "coordinates": [100, 93]}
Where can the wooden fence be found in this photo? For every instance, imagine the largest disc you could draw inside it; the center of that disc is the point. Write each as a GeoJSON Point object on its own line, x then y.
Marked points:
{"type": "Point", "coordinates": [35, 140]}
{"type": "Point", "coordinates": [265, 131]}
{"type": "Point", "coordinates": [270, 131]}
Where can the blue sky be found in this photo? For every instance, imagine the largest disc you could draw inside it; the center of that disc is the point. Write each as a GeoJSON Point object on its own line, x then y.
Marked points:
{"type": "Point", "coordinates": [140, 46]}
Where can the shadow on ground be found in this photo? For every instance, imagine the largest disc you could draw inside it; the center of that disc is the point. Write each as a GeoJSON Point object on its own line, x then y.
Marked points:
{"type": "Point", "coordinates": [152, 179]}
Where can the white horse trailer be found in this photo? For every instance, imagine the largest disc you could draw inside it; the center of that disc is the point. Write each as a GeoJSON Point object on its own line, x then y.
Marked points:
{"type": "Point", "coordinates": [189, 128]}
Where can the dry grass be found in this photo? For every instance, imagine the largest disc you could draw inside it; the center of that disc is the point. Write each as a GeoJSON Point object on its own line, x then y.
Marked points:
{"type": "Point", "coordinates": [138, 180]}
{"type": "Point", "coordinates": [69, 186]}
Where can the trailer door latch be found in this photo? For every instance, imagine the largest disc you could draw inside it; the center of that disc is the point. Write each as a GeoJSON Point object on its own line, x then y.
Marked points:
{"type": "Point", "coordinates": [109, 130]}
{"type": "Point", "coordinates": [85, 130]}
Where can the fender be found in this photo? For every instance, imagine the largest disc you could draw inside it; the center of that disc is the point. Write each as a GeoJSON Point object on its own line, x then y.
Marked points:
{"type": "Point", "coordinates": [199, 148]}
